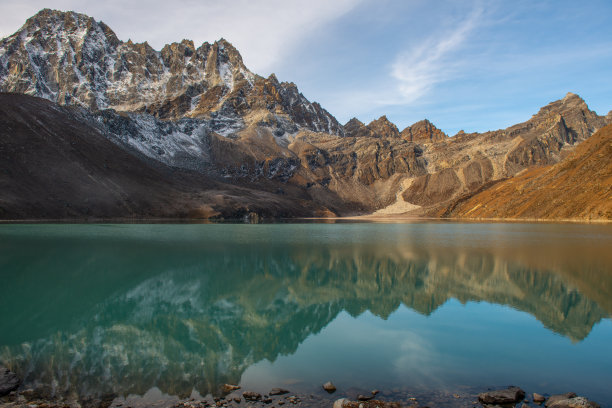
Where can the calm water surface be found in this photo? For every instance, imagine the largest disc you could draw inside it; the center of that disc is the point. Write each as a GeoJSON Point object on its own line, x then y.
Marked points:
{"type": "Point", "coordinates": [102, 310]}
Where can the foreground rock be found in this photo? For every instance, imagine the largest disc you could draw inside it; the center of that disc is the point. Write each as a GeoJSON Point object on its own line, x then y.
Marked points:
{"type": "Point", "coordinates": [559, 397]}
{"type": "Point", "coordinates": [8, 381]}
{"type": "Point", "coordinates": [538, 398]}
{"type": "Point", "coordinates": [346, 403]}
{"type": "Point", "coordinates": [508, 396]}
{"type": "Point", "coordinates": [570, 400]}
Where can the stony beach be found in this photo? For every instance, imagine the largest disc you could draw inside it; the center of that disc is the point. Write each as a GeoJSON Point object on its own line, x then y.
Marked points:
{"type": "Point", "coordinates": [12, 394]}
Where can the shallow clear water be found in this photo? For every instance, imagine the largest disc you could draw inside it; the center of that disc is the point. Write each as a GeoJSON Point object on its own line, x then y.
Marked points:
{"type": "Point", "coordinates": [103, 310]}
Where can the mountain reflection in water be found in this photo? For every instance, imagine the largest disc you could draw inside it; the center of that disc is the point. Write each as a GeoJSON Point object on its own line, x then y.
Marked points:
{"type": "Point", "coordinates": [115, 310]}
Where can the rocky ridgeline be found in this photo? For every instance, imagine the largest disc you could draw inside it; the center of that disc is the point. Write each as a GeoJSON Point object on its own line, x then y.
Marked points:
{"type": "Point", "coordinates": [422, 132]}
{"type": "Point", "coordinates": [72, 59]}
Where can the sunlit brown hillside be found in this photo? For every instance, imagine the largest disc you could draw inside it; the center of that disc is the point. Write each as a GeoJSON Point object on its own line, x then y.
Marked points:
{"type": "Point", "coordinates": [579, 187]}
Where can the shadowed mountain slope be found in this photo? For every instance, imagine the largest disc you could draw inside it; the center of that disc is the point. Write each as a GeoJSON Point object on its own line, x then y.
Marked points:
{"type": "Point", "coordinates": [55, 163]}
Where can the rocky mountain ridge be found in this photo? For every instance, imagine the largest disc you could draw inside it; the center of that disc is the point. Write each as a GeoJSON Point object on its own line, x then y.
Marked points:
{"type": "Point", "coordinates": [201, 110]}
{"type": "Point", "coordinates": [72, 59]}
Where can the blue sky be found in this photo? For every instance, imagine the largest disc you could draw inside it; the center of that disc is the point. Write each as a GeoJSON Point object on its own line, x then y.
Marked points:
{"type": "Point", "coordinates": [475, 65]}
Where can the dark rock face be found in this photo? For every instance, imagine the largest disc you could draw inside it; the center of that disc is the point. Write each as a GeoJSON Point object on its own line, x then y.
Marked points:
{"type": "Point", "coordinates": [8, 381]}
{"type": "Point", "coordinates": [507, 396]}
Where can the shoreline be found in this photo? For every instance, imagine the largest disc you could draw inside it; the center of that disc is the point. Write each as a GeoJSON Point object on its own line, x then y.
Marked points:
{"type": "Point", "coordinates": [386, 218]}
{"type": "Point", "coordinates": [284, 398]}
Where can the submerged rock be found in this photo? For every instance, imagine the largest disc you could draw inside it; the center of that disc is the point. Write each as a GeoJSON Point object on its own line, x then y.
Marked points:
{"type": "Point", "coordinates": [329, 387]}
{"type": "Point", "coordinates": [508, 396]}
{"type": "Point", "coordinates": [8, 381]}
{"type": "Point", "coordinates": [278, 391]}
{"type": "Point", "coordinates": [346, 403]}
{"type": "Point", "coordinates": [251, 396]}
{"type": "Point", "coordinates": [227, 388]}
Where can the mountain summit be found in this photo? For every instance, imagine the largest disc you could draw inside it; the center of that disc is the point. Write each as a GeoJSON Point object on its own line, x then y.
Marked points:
{"type": "Point", "coordinates": [72, 59]}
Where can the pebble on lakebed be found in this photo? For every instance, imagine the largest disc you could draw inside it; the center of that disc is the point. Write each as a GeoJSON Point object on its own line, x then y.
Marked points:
{"type": "Point", "coordinates": [329, 387]}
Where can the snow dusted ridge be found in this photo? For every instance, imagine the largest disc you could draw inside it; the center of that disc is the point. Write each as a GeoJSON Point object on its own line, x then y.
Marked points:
{"type": "Point", "coordinates": [183, 143]}
{"type": "Point", "coordinates": [71, 59]}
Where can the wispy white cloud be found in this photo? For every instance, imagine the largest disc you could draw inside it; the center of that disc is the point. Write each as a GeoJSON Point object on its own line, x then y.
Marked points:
{"type": "Point", "coordinates": [264, 31]}
{"type": "Point", "coordinates": [414, 72]}
{"type": "Point", "coordinates": [418, 69]}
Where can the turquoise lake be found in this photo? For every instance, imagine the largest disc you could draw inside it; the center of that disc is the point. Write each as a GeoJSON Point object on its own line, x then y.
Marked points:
{"type": "Point", "coordinates": [122, 309]}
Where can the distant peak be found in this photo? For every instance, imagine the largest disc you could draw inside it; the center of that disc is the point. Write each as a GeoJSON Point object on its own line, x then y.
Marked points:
{"type": "Point", "coordinates": [44, 15]}
{"type": "Point", "coordinates": [383, 127]}
{"type": "Point", "coordinates": [423, 131]}
{"type": "Point", "coordinates": [353, 122]}
{"type": "Point", "coordinates": [572, 97]}
{"type": "Point", "coordinates": [188, 43]}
